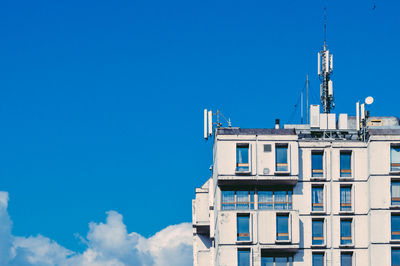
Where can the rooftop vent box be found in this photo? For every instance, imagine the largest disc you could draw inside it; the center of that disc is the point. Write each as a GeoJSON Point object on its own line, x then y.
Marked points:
{"type": "Point", "coordinates": [314, 116]}
{"type": "Point", "coordinates": [327, 121]}
{"type": "Point", "coordinates": [342, 122]}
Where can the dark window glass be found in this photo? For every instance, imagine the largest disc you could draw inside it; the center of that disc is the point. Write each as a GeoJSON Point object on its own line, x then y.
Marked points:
{"type": "Point", "coordinates": [317, 163]}
{"type": "Point", "coordinates": [281, 158]}
{"type": "Point", "coordinates": [345, 198]}
{"type": "Point", "coordinates": [276, 261]}
{"type": "Point", "coordinates": [278, 200]}
{"type": "Point", "coordinates": [395, 190]}
{"type": "Point", "coordinates": [242, 157]}
{"type": "Point", "coordinates": [267, 261]}
{"type": "Point", "coordinates": [395, 257]}
{"type": "Point", "coordinates": [395, 226]}
{"type": "Point", "coordinates": [345, 232]}
{"type": "Point", "coordinates": [244, 257]}
{"type": "Point", "coordinates": [237, 200]}
{"type": "Point", "coordinates": [346, 259]}
{"type": "Point", "coordinates": [243, 227]}
{"type": "Point", "coordinates": [317, 198]}
{"type": "Point", "coordinates": [318, 259]}
{"type": "Point", "coordinates": [395, 158]}
{"type": "Point", "coordinates": [282, 227]}
{"type": "Point", "coordinates": [317, 232]}
{"type": "Point", "coordinates": [345, 163]}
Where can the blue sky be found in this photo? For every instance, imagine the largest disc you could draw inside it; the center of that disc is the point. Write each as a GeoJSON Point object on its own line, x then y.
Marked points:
{"type": "Point", "coordinates": [101, 101]}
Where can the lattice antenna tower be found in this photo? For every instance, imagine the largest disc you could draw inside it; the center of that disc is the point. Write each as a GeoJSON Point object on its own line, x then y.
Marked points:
{"type": "Point", "coordinates": [325, 67]}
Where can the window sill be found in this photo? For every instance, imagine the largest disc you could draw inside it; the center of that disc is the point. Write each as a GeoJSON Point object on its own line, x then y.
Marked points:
{"type": "Point", "coordinates": [317, 178]}
{"type": "Point", "coordinates": [243, 242]}
{"type": "Point", "coordinates": [394, 172]}
{"type": "Point", "coordinates": [395, 207]}
{"type": "Point", "coordinates": [243, 172]}
{"type": "Point", "coordinates": [317, 212]}
{"type": "Point", "coordinates": [318, 246]}
{"type": "Point", "coordinates": [346, 245]}
{"type": "Point", "coordinates": [283, 242]}
{"type": "Point", "coordinates": [346, 212]}
{"type": "Point", "coordinates": [282, 172]}
{"type": "Point", "coordinates": [344, 178]}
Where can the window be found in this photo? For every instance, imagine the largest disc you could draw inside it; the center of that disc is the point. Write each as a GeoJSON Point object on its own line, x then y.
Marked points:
{"type": "Point", "coordinates": [345, 198]}
{"type": "Point", "coordinates": [395, 158]}
{"type": "Point", "coordinates": [396, 226]}
{"type": "Point", "coordinates": [317, 232]}
{"type": "Point", "coordinates": [318, 259]}
{"type": "Point", "coordinates": [346, 259]}
{"type": "Point", "coordinates": [317, 164]}
{"type": "Point", "coordinates": [237, 200]}
{"type": "Point", "coordinates": [242, 157]}
{"type": "Point", "coordinates": [243, 257]}
{"type": "Point", "coordinates": [345, 164]}
{"type": "Point", "coordinates": [396, 257]}
{"type": "Point", "coordinates": [345, 232]}
{"type": "Point", "coordinates": [243, 227]}
{"type": "Point", "coordinates": [395, 190]}
{"type": "Point", "coordinates": [281, 158]}
{"type": "Point", "coordinates": [282, 227]}
{"type": "Point", "coordinates": [275, 200]}
{"type": "Point", "coordinates": [276, 260]}
{"type": "Point", "coordinates": [317, 198]}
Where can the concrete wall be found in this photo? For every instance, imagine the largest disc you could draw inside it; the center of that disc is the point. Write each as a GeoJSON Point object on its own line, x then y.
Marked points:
{"type": "Point", "coordinates": [371, 201]}
{"type": "Point", "coordinates": [258, 159]}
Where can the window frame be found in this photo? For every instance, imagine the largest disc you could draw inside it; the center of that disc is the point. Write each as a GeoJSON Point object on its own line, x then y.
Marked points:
{"type": "Point", "coordinates": [347, 253]}
{"type": "Point", "coordinates": [346, 173]}
{"type": "Point", "coordinates": [397, 199]}
{"type": "Point", "coordinates": [248, 164]}
{"type": "Point", "coordinates": [318, 253]}
{"type": "Point", "coordinates": [345, 238]}
{"type": "Point", "coordinates": [318, 237]}
{"type": "Point", "coordinates": [277, 233]}
{"type": "Point", "coordinates": [313, 186]}
{"type": "Point", "coordinates": [274, 256]}
{"type": "Point", "coordinates": [318, 171]}
{"type": "Point", "coordinates": [391, 256]}
{"type": "Point", "coordinates": [397, 233]}
{"type": "Point", "coordinates": [341, 204]}
{"type": "Point", "coordinates": [250, 255]}
{"type": "Point", "coordinates": [235, 203]}
{"type": "Point", "coordinates": [250, 223]}
{"type": "Point", "coordinates": [396, 164]}
{"type": "Point", "coordinates": [274, 202]}
{"type": "Point", "coordinates": [287, 164]}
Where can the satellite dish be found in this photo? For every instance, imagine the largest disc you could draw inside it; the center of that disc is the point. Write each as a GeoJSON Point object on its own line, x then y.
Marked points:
{"type": "Point", "coordinates": [369, 100]}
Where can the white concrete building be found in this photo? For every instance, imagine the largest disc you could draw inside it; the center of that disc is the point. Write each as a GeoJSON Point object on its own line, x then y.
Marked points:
{"type": "Point", "coordinates": [324, 193]}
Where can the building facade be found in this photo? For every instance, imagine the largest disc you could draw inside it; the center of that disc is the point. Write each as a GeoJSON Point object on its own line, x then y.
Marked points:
{"type": "Point", "coordinates": [325, 193]}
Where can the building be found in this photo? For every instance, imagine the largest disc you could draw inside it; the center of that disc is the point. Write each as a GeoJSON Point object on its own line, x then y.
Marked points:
{"type": "Point", "coordinates": [322, 193]}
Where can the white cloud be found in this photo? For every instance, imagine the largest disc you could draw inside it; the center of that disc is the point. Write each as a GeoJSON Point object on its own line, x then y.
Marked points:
{"type": "Point", "coordinates": [108, 244]}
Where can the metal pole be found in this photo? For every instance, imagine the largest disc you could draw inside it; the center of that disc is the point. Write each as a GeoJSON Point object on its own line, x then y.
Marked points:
{"type": "Point", "coordinates": [301, 96]}
{"type": "Point", "coordinates": [307, 101]}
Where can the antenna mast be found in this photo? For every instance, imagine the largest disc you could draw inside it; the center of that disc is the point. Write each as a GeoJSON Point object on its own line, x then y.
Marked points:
{"type": "Point", "coordinates": [325, 67]}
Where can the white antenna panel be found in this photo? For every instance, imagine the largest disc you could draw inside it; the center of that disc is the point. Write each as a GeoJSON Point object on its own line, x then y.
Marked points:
{"type": "Point", "coordinates": [205, 124]}
{"type": "Point", "coordinates": [330, 88]}
{"type": "Point", "coordinates": [320, 89]}
{"type": "Point", "coordinates": [327, 61]}
{"type": "Point", "coordinates": [210, 127]}
{"type": "Point", "coordinates": [358, 115]}
{"type": "Point", "coordinates": [363, 111]}
{"type": "Point", "coordinates": [319, 64]}
{"type": "Point", "coordinates": [331, 62]}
